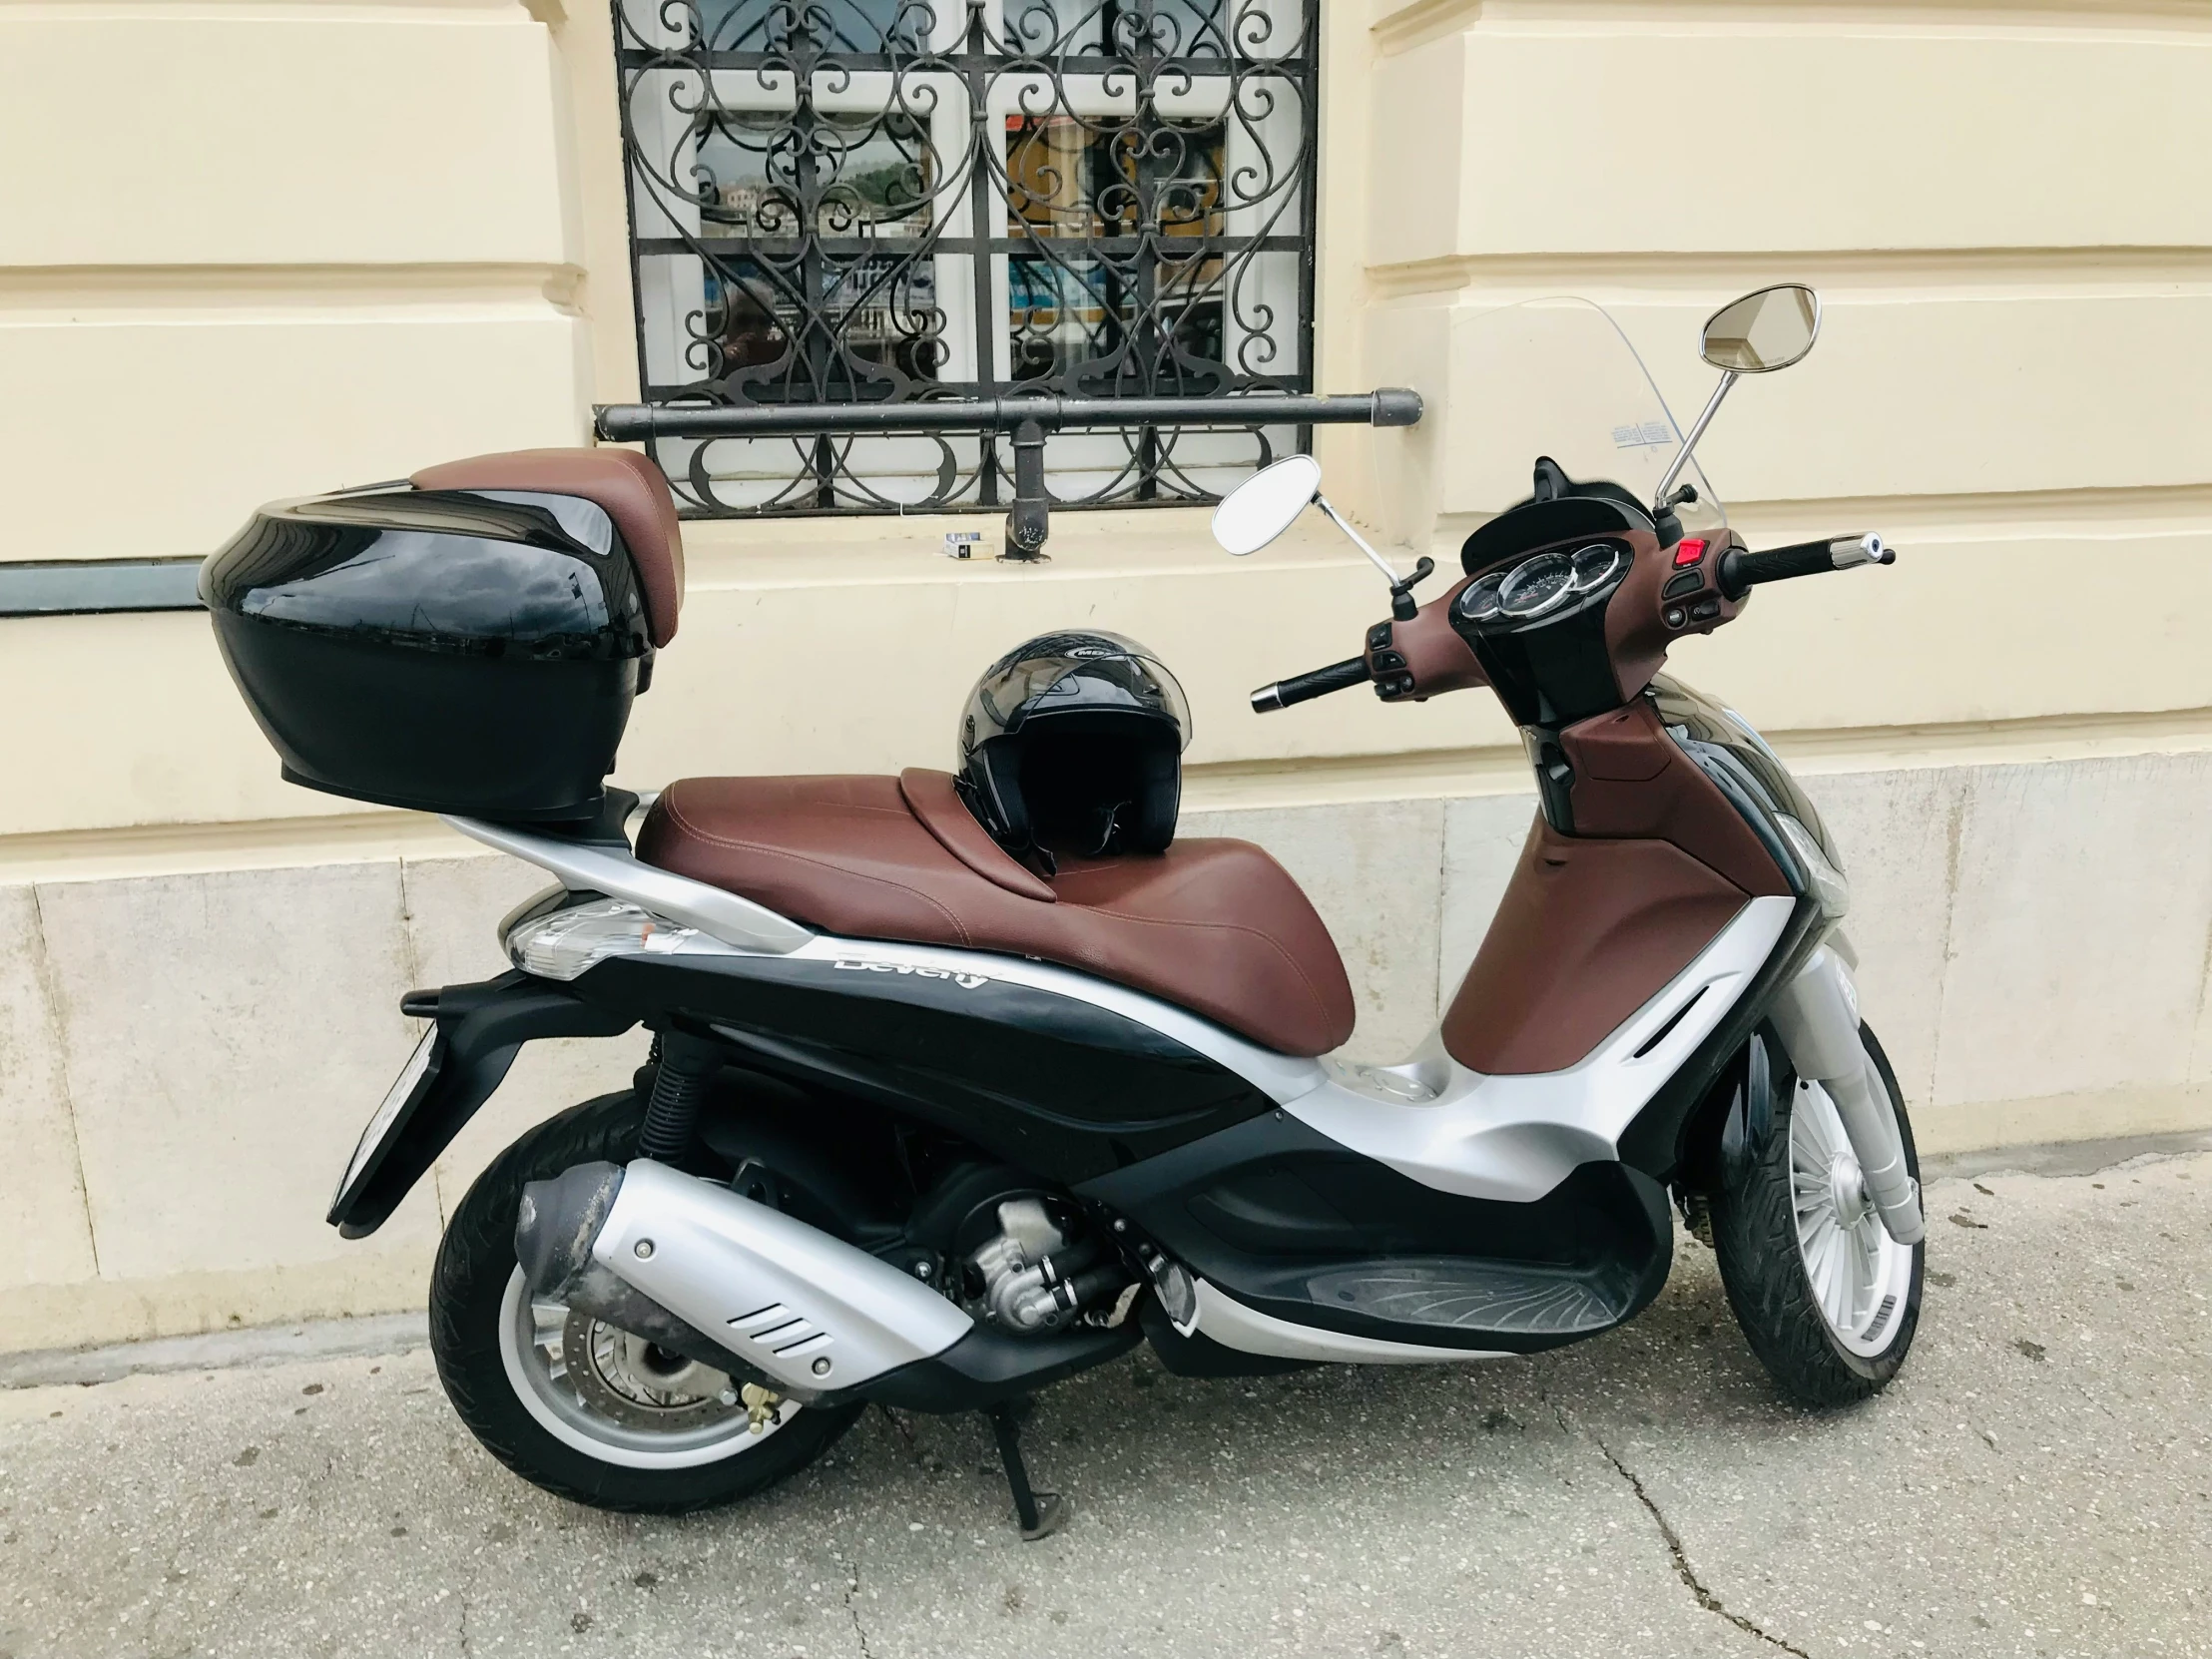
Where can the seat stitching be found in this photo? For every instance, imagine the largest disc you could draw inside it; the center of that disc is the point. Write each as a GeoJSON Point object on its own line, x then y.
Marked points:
{"type": "Point", "coordinates": [1320, 1005]}
{"type": "Point", "coordinates": [1272, 943]}
{"type": "Point", "coordinates": [958, 927]}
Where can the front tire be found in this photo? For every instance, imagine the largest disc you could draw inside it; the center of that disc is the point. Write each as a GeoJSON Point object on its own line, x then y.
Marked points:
{"type": "Point", "coordinates": [581, 1409]}
{"type": "Point", "coordinates": [1827, 1300]}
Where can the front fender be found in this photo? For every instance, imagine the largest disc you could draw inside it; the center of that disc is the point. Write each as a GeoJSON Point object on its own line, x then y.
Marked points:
{"type": "Point", "coordinates": [480, 1030]}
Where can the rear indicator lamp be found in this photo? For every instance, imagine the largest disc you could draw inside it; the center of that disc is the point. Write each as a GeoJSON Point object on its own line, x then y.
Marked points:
{"type": "Point", "coordinates": [563, 944]}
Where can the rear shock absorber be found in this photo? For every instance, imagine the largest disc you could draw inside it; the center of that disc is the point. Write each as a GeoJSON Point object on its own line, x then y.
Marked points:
{"type": "Point", "coordinates": [687, 1067]}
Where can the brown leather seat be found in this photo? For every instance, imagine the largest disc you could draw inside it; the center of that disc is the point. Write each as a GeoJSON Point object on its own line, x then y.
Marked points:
{"type": "Point", "coordinates": [632, 491]}
{"type": "Point", "coordinates": [1216, 927]}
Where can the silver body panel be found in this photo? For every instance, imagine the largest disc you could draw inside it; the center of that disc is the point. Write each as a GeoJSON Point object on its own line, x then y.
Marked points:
{"type": "Point", "coordinates": [1224, 1320]}
{"type": "Point", "coordinates": [810, 1311]}
{"type": "Point", "coordinates": [734, 920]}
{"type": "Point", "coordinates": [1517, 1137]}
{"type": "Point", "coordinates": [788, 1295]}
{"type": "Point", "coordinates": [1429, 1118]}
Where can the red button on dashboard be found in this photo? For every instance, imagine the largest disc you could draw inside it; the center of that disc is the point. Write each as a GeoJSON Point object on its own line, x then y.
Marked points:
{"type": "Point", "coordinates": [1689, 551]}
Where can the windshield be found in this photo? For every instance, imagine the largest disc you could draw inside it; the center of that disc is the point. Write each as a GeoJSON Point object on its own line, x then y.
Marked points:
{"type": "Point", "coordinates": [1558, 377]}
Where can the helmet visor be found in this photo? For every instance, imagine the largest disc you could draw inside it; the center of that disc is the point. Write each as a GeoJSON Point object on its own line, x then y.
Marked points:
{"type": "Point", "coordinates": [1089, 672]}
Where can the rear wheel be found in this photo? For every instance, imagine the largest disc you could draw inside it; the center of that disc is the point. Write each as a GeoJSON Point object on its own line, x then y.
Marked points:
{"type": "Point", "coordinates": [1827, 1299]}
{"type": "Point", "coordinates": [578, 1407]}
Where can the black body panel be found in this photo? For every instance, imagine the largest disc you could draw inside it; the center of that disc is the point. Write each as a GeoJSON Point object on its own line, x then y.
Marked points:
{"type": "Point", "coordinates": [1553, 671]}
{"type": "Point", "coordinates": [1299, 1227]}
{"type": "Point", "coordinates": [450, 651]}
{"type": "Point", "coordinates": [1198, 1355]}
{"type": "Point", "coordinates": [1709, 734]}
{"type": "Point", "coordinates": [986, 1366]}
{"type": "Point", "coordinates": [1050, 1084]}
{"type": "Point", "coordinates": [1535, 524]}
{"type": "Point", "coordinates": [481, 1028]}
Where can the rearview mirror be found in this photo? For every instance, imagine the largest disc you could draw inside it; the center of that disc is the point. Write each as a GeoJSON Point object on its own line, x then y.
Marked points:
{"type": "Point", "coordinates": [1265, 504]}
{"type": "Point", "coordinates": [1762, 331]}
{"type": "Point", "coordinates": [1757, 334]}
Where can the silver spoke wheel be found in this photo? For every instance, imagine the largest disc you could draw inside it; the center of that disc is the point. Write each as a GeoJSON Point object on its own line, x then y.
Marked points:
{"type": "Point", "coordinates": [619, 1399]}
{"type": "Point", "coordinates": [1859, 1276]}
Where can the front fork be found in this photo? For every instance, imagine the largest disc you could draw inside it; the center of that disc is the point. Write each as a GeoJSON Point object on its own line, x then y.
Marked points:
{"type": "Point", "coordinates": [1817, 1015]}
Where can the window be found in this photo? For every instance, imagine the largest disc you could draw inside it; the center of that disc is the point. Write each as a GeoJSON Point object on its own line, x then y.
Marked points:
{"type": "Point", "coordinates": [891, 201]}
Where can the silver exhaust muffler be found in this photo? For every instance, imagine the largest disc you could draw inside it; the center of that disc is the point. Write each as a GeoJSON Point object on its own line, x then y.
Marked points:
{"type": "Point", "coordinates": [726, 1281]}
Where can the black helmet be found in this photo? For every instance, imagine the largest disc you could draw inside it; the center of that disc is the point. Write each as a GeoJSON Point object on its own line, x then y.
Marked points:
{"type": "Point", "coordinates": [1076, 740]}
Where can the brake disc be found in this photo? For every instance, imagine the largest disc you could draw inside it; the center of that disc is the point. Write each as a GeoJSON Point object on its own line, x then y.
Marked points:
{"type": "Point", "coordinates": [640, 1385]}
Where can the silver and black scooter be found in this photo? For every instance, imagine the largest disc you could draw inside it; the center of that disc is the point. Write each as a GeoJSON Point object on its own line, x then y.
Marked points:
{"type": "Point", "coordinates": [933, 1125]}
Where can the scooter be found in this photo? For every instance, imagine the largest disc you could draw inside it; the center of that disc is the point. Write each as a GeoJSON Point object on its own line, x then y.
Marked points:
{"type": "Point", "coordinates": [938, 1164]}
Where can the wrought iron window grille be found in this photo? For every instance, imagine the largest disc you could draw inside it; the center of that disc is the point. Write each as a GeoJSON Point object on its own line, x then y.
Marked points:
{"type": "Point", "coordinates": [917, 206]}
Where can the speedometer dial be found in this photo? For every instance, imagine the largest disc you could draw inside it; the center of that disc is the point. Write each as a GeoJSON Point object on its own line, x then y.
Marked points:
{"type": "Point", "coordinates": [1538, 586]}
{"type": "Point", "coordinates": [1478, 602]}
{"type": "Point", "coordinates": [1594, 566]}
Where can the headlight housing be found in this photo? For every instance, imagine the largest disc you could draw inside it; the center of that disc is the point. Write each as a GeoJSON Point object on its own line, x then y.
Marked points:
{"type": "Point", "coordinates": [1828, 884]}
{"type": "Point", "coordinates": [562, 945]}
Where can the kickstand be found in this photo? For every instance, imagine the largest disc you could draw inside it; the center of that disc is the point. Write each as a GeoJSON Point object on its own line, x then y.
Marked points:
{"type": "Point", "coordinates": [1040, 1513]}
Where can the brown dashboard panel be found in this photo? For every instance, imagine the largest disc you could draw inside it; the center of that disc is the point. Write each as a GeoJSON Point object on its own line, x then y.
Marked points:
{"type": "Point", "coordinates": [1633, 782]}
{"type": "Point", "coordinates": [1588, 932]}
{"type": "Point", "coordinates": [1427, 650]}
{"type": "Point", "coordinates": [1652, 610]}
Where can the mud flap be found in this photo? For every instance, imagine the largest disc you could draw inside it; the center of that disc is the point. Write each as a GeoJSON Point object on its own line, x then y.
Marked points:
{"type": "Point", "coordinates": [479, 1030]}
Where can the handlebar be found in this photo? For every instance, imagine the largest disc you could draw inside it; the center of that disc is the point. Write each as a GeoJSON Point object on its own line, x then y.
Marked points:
{"type": "Point", "coordinates": [1741, 571]}
{"type": "Point", "coordinates": [1301, 688]}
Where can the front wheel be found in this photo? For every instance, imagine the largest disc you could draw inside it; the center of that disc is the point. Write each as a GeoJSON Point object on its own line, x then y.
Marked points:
{"type": "Point", "coordinates": [1826, 1298]}
{"type": "Point", "coordinates": [584, 1409]}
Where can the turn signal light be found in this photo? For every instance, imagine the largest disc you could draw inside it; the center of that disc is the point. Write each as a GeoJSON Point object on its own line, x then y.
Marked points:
{"type": "Point", "coordinates": [1688, 551]}
{"type": "Point", "coordinates": [562, 945]}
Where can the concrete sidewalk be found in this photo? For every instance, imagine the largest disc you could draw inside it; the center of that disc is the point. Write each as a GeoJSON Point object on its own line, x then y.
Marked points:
{"type": "Point", "coordinates": [2039, 1482]}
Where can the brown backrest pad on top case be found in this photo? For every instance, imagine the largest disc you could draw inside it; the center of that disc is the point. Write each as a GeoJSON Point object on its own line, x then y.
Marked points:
{"type": "Point", "coordinates": [630, 488]}
{"type": "Point", "coordinates": [931, 797]}
{"type": "Point", "coordinates": [1215, 926]}
{"type": "Point", "coordinates": [1588, 932]}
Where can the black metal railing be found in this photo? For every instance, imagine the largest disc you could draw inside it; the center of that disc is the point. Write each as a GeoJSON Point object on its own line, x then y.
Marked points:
{"type": "Point", "coordinates": [1025, 422]}
{"type": "Point", "coordinates": [901, 203]}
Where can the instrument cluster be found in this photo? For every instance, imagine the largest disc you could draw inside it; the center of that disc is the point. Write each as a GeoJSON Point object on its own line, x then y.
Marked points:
{"type": "Point", "coordinates": [1541, 586]}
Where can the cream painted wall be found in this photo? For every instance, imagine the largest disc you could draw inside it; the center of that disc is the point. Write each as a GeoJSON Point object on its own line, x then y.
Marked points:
{"type": "Point", "coordinates": [2004, 205]}
{"type": "Point", "coordinates": [324, 243]}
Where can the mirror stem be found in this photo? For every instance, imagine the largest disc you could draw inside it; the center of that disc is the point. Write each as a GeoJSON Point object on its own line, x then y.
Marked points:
{"type": "Point", "coordinates": [1380, 563]}
{"type": "Point", "coordinates": [1682, 455]}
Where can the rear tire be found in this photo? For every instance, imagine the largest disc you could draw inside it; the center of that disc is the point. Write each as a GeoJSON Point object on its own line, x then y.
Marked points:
{"type": "Point", "coordinates": [1829, 1303]}
{"type": "Point", "coordinates": [576, 1408]}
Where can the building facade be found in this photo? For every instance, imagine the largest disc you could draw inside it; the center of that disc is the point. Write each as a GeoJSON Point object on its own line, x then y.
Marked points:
{"type": "Point", "coordinates": [381, 236]}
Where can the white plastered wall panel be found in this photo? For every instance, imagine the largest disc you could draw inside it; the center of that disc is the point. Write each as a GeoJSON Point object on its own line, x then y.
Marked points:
{"type": "Point", "coordinates": [292, 137]}
{"type": "Point", "coordinates": [233, 408]}
{"type": "Point", "coordinates": [304, 249]}
{"type": "Point", "coordinates": [1656, 135]}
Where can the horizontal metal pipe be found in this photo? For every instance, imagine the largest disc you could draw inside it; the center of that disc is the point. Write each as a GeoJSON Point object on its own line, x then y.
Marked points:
{"type": "Point", "coordinates": [93, 587]}
{"type": "Point", "coordinates": [630, 422]}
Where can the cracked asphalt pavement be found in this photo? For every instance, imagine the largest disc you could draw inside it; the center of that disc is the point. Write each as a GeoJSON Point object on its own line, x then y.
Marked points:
{"type": "Point", "coordinates": [2037, 1482]}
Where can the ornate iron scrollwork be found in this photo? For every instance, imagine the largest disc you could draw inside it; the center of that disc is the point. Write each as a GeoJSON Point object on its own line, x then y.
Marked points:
{"type": "Point", "coordinates": [901, 202]}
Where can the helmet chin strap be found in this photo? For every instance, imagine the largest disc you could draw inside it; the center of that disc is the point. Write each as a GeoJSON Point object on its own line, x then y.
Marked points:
{"type": "Point", "coordinates": [1112, 815]}
{"type": "Point", "coordinates": [1019, 844]}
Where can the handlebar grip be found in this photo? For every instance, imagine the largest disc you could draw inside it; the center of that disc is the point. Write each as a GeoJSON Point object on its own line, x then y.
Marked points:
{"type": "Point", "coordinates": [1301, 688]}
{"type": "Point", "coordinates": [1741, 571]}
